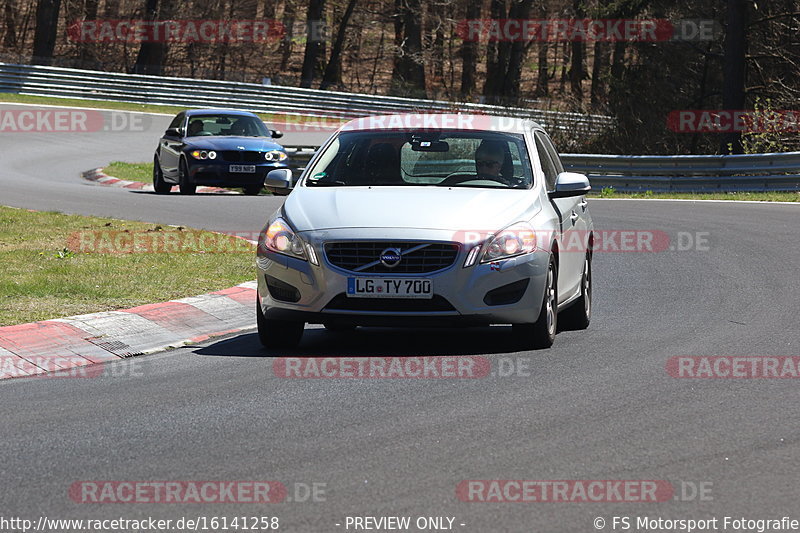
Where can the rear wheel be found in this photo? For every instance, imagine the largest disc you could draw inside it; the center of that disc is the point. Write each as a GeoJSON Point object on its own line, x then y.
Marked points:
{"type": "Point", "coordinates": [579, 314]}
{"type": "Point", "coordinates": [183, 179]}
{"type": "Point", "coordinates": [278, 333]}
{"type": "Point", "coordinates": [542, 333]}
{"type": "Point", "coordinates": [160, 186]}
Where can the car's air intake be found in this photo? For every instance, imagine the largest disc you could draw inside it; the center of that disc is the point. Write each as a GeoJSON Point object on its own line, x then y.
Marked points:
{"type": "Point", "coordinates": [364, 257]}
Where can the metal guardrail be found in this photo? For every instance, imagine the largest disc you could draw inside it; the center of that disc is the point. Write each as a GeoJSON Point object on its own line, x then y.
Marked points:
{"type": "Point", "coordinates": [188, 92]}
{"type": "Point", "coordinates": [681, 173]}
{"type": "Point", "coordinates": [761, 172]}
{"type": "Point", "coordinates": [690, 173]}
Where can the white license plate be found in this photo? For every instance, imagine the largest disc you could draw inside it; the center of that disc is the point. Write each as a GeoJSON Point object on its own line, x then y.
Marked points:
{"type": "Point", "coordinates": [390, 288]}
{"type": "Point", "coordinates": [242, 168]}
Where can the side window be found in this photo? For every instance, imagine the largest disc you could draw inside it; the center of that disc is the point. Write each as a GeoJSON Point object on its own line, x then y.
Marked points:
{"type": "Point", "coordinates": [548, 166]}
{"type": "Point", "coordinates": [548, 144]}
{"type": "Point", "coordinates": [177, 122]}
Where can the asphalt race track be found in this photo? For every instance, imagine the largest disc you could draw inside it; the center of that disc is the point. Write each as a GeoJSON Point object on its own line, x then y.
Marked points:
{"type": "Point", "coordinates": [599, 405]}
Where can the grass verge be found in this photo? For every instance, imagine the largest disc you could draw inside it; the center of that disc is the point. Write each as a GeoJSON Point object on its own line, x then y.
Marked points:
{"type": "Point", "coordinates": [609, 192]}
{"type": "Point", "coordinates": [93, 104]}
{"type": "Point", "coordinates": [144, 172]}
{"type": "Point", "coordinates": [131, 171]}
{"type": "Point", "coordinates": [57, 265]}
{"type": "Point", "coordinates": [171, 110]}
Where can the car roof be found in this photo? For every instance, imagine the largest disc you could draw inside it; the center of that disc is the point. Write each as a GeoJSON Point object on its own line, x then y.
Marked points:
{"type": "Point", "coordinates": [191, 112]}
{"type": "Point", "coordinates": [440, 121]}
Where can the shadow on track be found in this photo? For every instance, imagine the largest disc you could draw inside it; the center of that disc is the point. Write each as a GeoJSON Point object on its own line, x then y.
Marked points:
{"type": "Point", "coordinates": [366, 342]}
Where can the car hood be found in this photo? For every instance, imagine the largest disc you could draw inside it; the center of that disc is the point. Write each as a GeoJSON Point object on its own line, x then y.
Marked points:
{"type": "Point", "coordinates": [260, 144]}
{"type": "Point", "coordinates": [323, 208]}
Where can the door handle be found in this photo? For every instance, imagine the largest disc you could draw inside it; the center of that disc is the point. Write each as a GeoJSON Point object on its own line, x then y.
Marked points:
{"type": "Point", "coordinates": [573, 217]}
{"type": "Point", "coordinates": [583, 204]}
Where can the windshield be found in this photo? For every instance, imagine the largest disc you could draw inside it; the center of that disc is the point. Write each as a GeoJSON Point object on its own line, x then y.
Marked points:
{"type": "Point", "coordinates": [424, 158]}
{"type": "Point", "coordinates": [226, 125]}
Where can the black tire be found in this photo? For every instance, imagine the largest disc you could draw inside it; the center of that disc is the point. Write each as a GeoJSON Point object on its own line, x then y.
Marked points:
{"type": "Point", "coordinates": [253, 190]}
{"type": "Point", "coordinates": [160, 186]}
{"type": "Point", "coordinates": [278, 333]}
{"type": "Point", "coordinates": [339, 328]}
{"type": "Point", "coordinates": [183, 179]}
{"type": "Point", "coordinates": [542, 333]}
{"type": "Point", "coordinates": [579, 314]}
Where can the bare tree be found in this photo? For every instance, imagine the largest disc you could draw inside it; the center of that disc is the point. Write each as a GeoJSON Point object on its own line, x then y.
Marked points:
{"type": "Point", "coordinates": [44, 40]}
{"type": "Point", "coordinates": [333, 71]}
{"type": "Point", "coordinates": [408, 75]}
{"type": "Point", "coordinates": [469, 52]}
{"type": "Point", "coordinates": [315, 45]}
{"type": "Point", "coordinates": [733, 86]}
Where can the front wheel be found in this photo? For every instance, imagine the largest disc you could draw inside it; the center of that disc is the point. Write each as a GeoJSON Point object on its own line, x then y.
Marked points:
{"type": "Point", "coordinates": [278, 333]}
{"type": "Point", "coordinates": [579, 314]}
{"type": "Point", "coordinates": [183, 179]}
{"type": "Point", "coordinates": [542, 333]}
{"type": "Point", "coordinates": [253, 190]}
{"type": "Point", "coordinates": [160, 186]}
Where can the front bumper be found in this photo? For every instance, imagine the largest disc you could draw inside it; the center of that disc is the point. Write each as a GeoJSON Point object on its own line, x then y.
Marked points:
{"type": "Point", "coordinates": [217, 173]}
{"type": "Point", "coordinates": [317, 294]}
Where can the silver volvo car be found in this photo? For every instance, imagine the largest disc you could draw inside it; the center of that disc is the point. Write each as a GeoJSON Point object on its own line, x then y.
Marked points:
{"type": "Point", "coordinates": [424, 221]}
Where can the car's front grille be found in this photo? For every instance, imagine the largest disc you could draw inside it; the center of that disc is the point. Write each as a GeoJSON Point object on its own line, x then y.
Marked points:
{"type": "Point", "coordinates": [242, 156]}
{"type": "Point", "coordinates": [409, 305]}
{"type": "Point", "coordinates": [363, 257]}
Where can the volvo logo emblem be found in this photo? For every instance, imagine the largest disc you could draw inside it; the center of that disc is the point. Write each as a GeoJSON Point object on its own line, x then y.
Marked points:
{"type": "Point", "coordinates": [390, 257]}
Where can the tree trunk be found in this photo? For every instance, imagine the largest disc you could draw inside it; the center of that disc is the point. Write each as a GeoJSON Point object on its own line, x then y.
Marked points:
{"type": "Point", "coordinates": [87, 55]}
{"type": "Point", "coordinates": [44, 40]}
{"type": "Point", "coordinates": [315, 46]}
{"type": "Point", "coordinates": [598, 90]}
{"type": "Point", "coordinates": [576, 68]}
{"type": "Point", "coordinates": [494, 65]}
{"type": "Point", "coordinates": [285, 48]}
{"type": "Point", "coordinates": [151, 55]}
{"type": "Point", "coordinates": [408, 76]}
{"type": "Point", "coordinates": [469, 54]}
{"type": "Point", "coordinates": [734, 70]}
{"type": "Point", "coordinates": [10, 21]}
{"type": "Point", "coordinates": [333, 71]}
{"type": "Point", "coordinates": [516, 56]}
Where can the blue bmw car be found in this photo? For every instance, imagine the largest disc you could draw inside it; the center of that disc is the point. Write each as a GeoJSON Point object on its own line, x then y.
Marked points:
{"type": "Point", "coordinates": [221, 148]}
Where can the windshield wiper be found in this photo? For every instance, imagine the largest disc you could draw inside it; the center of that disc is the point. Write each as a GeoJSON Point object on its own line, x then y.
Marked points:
{"type": "Point", "coordinates": [326, 183]}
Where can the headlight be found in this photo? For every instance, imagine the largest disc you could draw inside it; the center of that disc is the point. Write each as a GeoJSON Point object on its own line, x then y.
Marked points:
{"type": "Point", "coordinates": [282, 239]}
{"type": "Point", "coordinates": [275, 156]}
{"type": "Point", "coordinates": [204, 154]}
{"type": "Point", "coordinates": [515, 240]}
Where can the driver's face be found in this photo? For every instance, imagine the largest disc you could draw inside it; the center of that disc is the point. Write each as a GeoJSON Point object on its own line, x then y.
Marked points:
{"type": "Point", "coordinates": [488, 163]}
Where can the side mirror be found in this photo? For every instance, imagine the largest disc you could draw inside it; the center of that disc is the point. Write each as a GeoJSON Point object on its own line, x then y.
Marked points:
{"type": "Point", "coordinates": [570, 184]}
{"type": "Point", "coordinates": [280, 178]}
{"type": "Point", "coordinates": [172, 132]}
{"type": "Point", "coordinates": [276, 134]}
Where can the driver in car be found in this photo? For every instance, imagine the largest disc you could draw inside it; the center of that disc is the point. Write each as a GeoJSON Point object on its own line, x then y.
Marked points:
{"type": "Point", "coordinates": [489, 159]}
{"type": "Point", "coordinates": [195, 128]}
